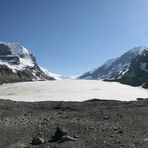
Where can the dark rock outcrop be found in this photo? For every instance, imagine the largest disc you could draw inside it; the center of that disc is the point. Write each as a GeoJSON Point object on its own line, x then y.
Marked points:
{"type": "Point", "coordinates": [137, 74]}
{"type": "Point", "coordinates": [61, 135]}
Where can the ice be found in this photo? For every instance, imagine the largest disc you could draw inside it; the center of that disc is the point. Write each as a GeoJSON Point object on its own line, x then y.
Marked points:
{"type": "Point", "coordinates": [70, 90]}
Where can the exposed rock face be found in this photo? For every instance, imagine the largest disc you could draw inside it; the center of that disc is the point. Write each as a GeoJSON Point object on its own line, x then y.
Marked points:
{"type": "Point", "coordinates": [17, 64]}
{"type": "Point", "coordinates": [5, 50]}
{"type": "Point", "coordinates": [137, 74]}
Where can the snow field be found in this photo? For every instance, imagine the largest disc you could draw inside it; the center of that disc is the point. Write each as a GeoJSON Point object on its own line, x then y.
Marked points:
{"type": "Point", "coordinates": [70, 90]}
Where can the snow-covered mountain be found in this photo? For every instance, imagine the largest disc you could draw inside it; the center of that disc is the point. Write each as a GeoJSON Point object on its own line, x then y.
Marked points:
{"type": "Point", "coordinates": [17, 64]}
{"type": "Point", "coordinates": [116, 69]}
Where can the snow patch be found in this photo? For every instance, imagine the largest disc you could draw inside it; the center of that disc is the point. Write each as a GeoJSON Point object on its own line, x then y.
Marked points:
{"type": "Point", "coordinates": [56, 76]}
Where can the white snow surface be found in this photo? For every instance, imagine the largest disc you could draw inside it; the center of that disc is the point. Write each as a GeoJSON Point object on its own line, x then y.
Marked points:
{"type": "Point", "coordinates": [70, 90]}
{"type": "Point", "coordinates": [56, 76]}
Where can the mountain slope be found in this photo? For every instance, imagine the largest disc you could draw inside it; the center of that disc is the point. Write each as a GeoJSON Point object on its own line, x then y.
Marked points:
{"type": "Point", "coordinates": [125, 69]}
{"type": "Point", "coordinates": [17, 64]}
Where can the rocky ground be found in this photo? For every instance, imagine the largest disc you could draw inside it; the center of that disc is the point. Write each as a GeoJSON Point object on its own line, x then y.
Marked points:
{"type": "Point", "coordinates": [89, 124]}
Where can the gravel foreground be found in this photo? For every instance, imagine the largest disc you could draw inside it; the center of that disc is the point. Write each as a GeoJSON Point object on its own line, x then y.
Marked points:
{"type": "Point", "coordinates": [94, 123]}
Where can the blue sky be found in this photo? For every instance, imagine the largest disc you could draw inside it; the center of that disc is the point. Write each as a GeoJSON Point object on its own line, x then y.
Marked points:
{"type": "Point", "coordinates": [71, 37]}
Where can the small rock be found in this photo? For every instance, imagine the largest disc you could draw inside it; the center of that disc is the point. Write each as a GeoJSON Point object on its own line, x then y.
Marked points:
{"type": "Point", "coordinates": [120, 116]}
{"type": "Point", "coordinates": [115, 128]}
{"type": "Point", "coordinates": [112, 135]}
{"type": "Point", "coordinates": [67, 138]}
{"type": "Point", "coordinates": [76, 136]}
{"type": "Point", "coordinates": [117, 141]}
{"type": "Point", "coordinates": [104, 142]}
{"type": "Point", "coordinates": [25, 114]}
{"type": "Point", "coordinates": [145, 140]}
{"type": "Point", "coordinates": [133, 146]}
{"type": "Point", "coordinates": [106, 117]}
{"type": "Point", "coordinates": [120, 132]}
{"type": "Point", "coordinates": [37, 141]}
{"type": "Point", "coordinates": [60, 132]}
{"type": "Point", "coordinates": [61, 135]}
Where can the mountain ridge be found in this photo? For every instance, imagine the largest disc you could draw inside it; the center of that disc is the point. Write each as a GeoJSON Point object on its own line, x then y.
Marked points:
{"type": "Point", "coordinates": [18, 64]}
{"type": "Point", "coordinates": [116, 69]}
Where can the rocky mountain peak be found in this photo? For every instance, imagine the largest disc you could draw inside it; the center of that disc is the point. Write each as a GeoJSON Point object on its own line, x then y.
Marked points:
{"type": "Point", "coordinates": [18, 64]}
{"type": "Point", "coordinates": [129, 68]}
